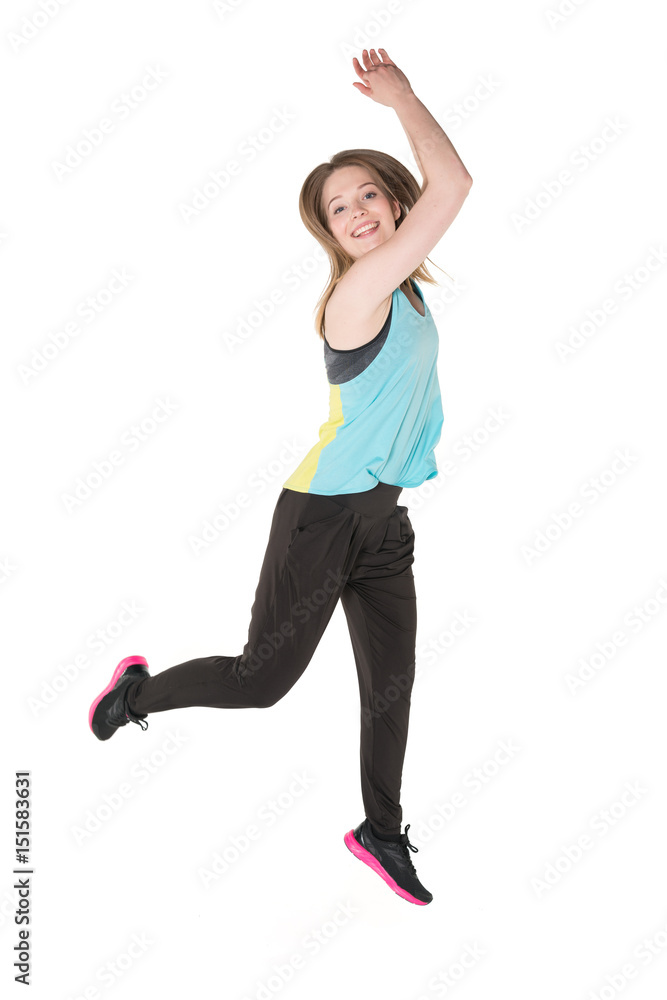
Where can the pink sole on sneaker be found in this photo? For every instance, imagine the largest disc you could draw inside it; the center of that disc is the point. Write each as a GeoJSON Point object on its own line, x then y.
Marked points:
{"type": "Point", "coordinates": [360, 852]}
{"type": "Point", "coordinates": [123, 665]}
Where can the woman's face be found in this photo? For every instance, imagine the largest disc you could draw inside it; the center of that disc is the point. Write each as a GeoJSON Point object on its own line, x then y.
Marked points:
{"type": "Point", "coordinates": [352, 200]}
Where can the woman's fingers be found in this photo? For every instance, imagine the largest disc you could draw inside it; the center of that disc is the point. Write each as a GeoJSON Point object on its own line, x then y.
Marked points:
{"type": "Point", "coordinates": [357, 66]}
{"type": "Point", "coordinates": [371, 58]}
{"type": "Point", "coordinates": [379, 57]}
{"type": "Point", "coordinates": [361, 87]}
{"type": "Point", "coordinates": [369, 61]}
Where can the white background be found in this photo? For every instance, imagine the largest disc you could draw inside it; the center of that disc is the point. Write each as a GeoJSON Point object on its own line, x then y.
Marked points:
{"type": "Point", "coordinates": [534, 94]}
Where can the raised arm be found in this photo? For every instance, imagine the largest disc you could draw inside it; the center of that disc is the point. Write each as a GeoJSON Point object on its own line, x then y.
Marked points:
{"type": "Point", "coordinates": [446, 184]}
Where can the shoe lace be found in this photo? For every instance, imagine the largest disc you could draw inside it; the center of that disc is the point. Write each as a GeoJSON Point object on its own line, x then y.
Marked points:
{"type": "Point", "coordinates": [120, 715]}
{"type": "Point", "coordinates": [405, 843]}
{"type": "Point", "coordinates": [140, 722]}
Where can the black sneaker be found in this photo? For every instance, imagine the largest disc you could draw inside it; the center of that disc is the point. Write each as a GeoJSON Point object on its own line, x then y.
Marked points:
{"type": "Point", "coordinates": [109, 710]}
{"type": "Point", "coordinates": [391, 860]}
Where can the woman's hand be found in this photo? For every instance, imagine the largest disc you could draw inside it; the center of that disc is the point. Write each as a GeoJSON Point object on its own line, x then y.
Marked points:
{"type": "Point", "coordinates": [383, 82]}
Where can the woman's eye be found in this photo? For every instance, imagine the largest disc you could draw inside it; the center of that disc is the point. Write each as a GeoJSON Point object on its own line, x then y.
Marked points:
{"type": "Point", "coordinates": [335, 211]}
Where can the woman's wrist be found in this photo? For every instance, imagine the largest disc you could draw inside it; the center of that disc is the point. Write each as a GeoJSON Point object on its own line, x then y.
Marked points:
{"type": "Point", "coordinates": [405, 102]}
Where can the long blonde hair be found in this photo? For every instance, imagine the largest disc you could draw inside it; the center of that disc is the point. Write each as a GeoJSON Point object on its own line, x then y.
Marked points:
{"type": "Point", "coordinates": [394, 180]}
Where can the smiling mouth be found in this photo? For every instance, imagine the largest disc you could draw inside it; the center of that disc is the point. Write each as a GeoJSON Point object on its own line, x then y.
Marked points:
{"type": "Point", "coordinates": [366, 232]}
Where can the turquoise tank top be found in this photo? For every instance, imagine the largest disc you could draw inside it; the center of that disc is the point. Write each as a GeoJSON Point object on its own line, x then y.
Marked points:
{"type": "Point", "coordinates": [385, 409]}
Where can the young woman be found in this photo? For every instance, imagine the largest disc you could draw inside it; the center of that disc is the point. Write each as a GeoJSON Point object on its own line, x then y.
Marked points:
{"type": "Point", "coordinates": [337, 529]}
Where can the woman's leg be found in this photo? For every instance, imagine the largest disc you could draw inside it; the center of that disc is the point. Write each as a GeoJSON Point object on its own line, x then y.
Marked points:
{"type": "Point", "coordinates": [311, 547]}
{"type": "Point", "coordinates": [380, 605]}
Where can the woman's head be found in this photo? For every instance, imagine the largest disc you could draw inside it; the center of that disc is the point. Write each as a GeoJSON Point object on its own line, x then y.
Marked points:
{"type": "Point", "coordinates": [353, 197]}
{"type": "Point", "coordinates": [356, 186]}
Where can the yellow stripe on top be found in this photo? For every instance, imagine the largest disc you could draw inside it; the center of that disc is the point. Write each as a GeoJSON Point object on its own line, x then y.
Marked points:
{"type": "Point", "coordinates": [302, 476]}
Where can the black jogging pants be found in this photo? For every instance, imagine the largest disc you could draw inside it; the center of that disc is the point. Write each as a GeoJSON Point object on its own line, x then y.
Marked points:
{"type": "Point", "coordinates": [354, 546]}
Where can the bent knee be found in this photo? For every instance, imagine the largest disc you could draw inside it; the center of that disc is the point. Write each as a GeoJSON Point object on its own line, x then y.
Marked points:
{"type": "Point", "coordinates": [260, 687]}
{"type": "Point", "coordinates": [263, 698]}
